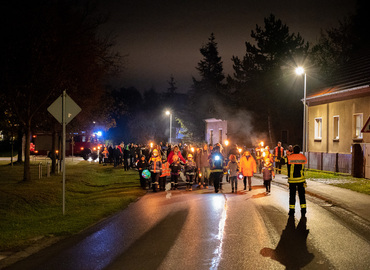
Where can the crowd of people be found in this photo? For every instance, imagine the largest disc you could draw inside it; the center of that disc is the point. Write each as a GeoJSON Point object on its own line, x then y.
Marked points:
{"type": "Point", "coordinates": [208, 165]}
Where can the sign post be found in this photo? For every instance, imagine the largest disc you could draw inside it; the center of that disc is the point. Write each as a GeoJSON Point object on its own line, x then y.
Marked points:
{"type": "Point", "coordinates": [64, 109]}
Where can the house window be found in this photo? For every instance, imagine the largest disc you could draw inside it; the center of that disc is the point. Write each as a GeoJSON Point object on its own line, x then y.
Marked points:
{"type": "Point", "coordinates": [357, 121]}
{"type": "Point", "coordinates": [220, 135]}
{"type": "Point", "coordinates": [318, 128]}
{"type": "Point", "coordinates": [336, 127]}
{"type": "Point", "coordinates": [211, 136]}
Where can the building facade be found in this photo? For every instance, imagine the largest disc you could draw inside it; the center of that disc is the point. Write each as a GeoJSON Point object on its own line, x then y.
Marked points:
{"type": "Point", "coordinates": [216, 131]}
{"type": "Point", "coordinates": [335, 120]}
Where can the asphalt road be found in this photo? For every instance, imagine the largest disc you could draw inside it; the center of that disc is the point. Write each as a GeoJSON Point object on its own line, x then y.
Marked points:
{"type": "Point", "coordinates": [204, 230]}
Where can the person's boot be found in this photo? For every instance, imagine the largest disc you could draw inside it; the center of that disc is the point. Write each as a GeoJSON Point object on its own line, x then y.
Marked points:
{"type": "Point", "coordinates": [291, 212]}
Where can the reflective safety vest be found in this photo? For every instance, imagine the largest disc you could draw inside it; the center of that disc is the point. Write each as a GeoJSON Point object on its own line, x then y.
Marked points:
{"type": "Point", "coordinates": [258, 153]}
{"type": "Point", "coordinates": [279, 152]}
{"type": "Point", "coordinates": [166, 171]}
{"type": "Point", "coordinates": [297, 162]}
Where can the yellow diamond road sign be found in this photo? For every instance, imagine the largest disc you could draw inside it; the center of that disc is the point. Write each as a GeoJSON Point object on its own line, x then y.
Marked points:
{"type": "Point", "coordinates": [72, 109]}
{"type": "Point", "coordinates": [366, 128]}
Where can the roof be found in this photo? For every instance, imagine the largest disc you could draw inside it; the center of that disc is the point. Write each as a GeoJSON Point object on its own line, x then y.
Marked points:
{"type": "Point", "coordinates": [210, 120]}
{"type": "Point", "coordinates": [352, 80]}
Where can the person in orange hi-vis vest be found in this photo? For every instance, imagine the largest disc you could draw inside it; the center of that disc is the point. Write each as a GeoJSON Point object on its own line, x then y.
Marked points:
{"type": "Point", "coordinates": [166, 171]}
{"type": "Point", "coordinates": [279, 156]}
{"type": "Point", "coordinates": [297, 180]}
{"type": "Point", "coordinates": [155, 167]}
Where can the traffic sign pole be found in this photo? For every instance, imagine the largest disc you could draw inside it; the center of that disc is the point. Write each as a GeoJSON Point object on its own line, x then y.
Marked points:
{"type": "Point", "coordinates": [64, 109]}
{"type": "Point", "coordinates": [64, 149]}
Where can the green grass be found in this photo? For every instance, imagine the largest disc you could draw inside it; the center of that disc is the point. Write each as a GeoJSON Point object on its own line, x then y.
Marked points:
{"type": "Point", "coordinates": [342, 180]}
{"type": "Point", "coordinates": [32, 210]}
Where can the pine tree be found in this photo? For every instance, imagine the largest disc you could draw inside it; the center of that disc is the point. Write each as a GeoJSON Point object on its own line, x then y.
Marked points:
{"type": "Point", "coordinates": [259, 77]}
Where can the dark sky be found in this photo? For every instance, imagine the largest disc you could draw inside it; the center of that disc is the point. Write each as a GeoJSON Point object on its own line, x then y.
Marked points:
{"type": "Point", "coordinates": [164, 37]}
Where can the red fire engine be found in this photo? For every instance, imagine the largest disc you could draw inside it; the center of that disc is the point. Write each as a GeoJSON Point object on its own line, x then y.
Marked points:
{"type": "Point", "coordinates": [84, 145]}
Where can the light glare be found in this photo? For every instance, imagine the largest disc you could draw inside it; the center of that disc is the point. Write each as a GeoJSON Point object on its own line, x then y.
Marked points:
{"type": "Point", "coordinates": [299, 70]}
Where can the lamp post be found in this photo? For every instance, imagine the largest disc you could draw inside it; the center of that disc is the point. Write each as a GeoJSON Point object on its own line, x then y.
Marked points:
{"type": "Point", "coordinates": [170, 114]}
{"type": "Point", "coordinates": [300, 71]}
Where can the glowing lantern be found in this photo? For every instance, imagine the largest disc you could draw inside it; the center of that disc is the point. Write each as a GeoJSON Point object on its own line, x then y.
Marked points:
{"type": "Point", "coordinates": [146, 174]}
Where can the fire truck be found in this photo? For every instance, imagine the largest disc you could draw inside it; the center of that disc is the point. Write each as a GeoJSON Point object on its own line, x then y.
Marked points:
{"type": "Point", "coordinates": [84, 145]}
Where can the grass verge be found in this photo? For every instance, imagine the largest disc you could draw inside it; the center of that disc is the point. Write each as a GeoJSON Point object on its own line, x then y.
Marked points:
{"type": "Point", "coordinates": [33, 210]}
{"type": "Point", "coordinates": [342, 180]}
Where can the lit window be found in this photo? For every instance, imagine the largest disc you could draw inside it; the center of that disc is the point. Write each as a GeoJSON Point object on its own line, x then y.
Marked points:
{"type": "Point", "coordinates": [318, 128]}
{"type": "Point", "coordinates": [336, 127]}
{"type": "Point", "coordinates": [357, 121]}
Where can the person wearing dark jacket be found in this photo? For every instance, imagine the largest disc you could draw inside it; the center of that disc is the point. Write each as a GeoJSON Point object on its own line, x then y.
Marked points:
{"type": "Point", "coordinates": [142, 165]}
{"type": "Point", "coordinates": [190, 172]}
{"type": "Point", "coordinates": [297, 180]}
{"type": "Point", "coordinates": [175, 168]}
{"type": "Point", "coordinates": [216, 161]}
{"type": "Point", "coordinates": [202, 161]}
{"type": "Point", "coordinates": [126, 157]}
{"type": "Point", "coordinates": [116, 156]}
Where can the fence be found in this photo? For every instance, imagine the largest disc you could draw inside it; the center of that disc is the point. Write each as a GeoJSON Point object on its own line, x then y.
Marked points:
{"type": "Point", "coordinates": [333, 162]}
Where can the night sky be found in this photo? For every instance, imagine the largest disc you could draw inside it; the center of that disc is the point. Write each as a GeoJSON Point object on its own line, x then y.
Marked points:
{"type": "Point", "coordinates": [164, 37]}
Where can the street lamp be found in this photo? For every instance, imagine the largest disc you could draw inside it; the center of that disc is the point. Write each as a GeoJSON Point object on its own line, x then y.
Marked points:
{"type": "Point", "coordinates": [300, 71]}
{"type": "Point", "coordinates": [170, 114]}
{"type": "Point", "coordinates": [226, 144]}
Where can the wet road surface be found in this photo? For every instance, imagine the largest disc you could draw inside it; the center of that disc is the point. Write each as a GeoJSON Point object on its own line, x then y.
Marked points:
{"type": "Point", "coordinates": [204, 230]}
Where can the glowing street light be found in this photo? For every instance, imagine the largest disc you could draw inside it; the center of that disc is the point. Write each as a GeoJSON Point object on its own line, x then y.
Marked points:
{"type": "Point", "coordinates": [170, 114]}
{"type": "Point", "coordinates": [300, 71]}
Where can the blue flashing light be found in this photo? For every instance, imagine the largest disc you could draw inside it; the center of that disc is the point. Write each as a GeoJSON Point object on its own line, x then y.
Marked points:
{"type": "Point", "coordinates": [99, 133]}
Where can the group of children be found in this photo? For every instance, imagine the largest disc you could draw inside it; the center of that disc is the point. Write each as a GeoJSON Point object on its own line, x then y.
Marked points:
{"type": "Point", "coordinates": [160, 169]}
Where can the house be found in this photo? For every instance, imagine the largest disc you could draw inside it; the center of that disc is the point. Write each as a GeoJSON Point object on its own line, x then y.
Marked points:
{"type": "Point", "coordinates": [336, 118]}
{"type": "Point", "coordinates": [216, 130]}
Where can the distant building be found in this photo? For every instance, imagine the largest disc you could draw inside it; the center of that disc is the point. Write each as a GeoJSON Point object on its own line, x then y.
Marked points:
{"type": "Point", "coordinates": [216, 130]}
{"type": "Point", "coordinates": [336, 116]}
